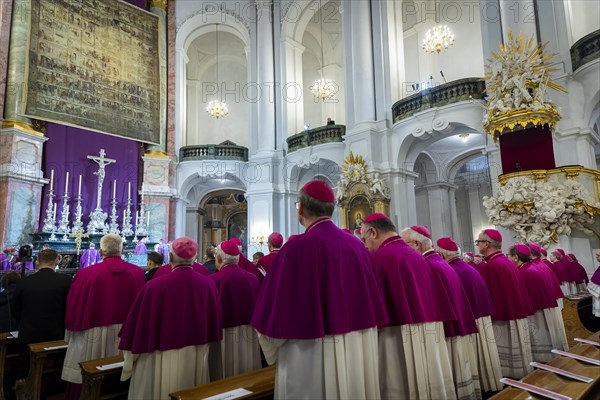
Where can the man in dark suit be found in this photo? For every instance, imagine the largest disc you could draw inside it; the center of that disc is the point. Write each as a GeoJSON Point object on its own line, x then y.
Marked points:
{"type": "Point", "coordinates": [39, 306]}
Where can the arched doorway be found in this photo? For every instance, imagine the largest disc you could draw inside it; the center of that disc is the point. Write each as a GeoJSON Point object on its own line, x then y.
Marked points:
{"type": "Point", "coordinates": [224, 215]}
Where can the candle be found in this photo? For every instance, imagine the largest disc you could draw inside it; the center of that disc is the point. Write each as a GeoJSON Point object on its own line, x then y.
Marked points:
{"type": "Point", "coordinates": [115, 189]}
{"type": "Point", "coordinates": [148, 219]}
{"type": "Point", "coordinates": [137, 218]}
{"type": "Point", "coordinates": [51, 179]}
{"type": "Point", "coordinates": [142, 193]}
{"type": "Point", "coordinates": [79, 191]}
{"type": "Point", "coordinates": [67, 183]}
{"type": "Point", "coordinates": [129, 192]}
{"type": "Point", "coordinates": [123, 217]}
{"type": "Point", "coordinates": [54, 213]}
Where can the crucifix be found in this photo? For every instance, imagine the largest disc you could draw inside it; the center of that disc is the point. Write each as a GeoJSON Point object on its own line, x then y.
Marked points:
{"type": "Point", "coordinates": [78, 235]}
{"type": "Point", "coordinates": [102, 163]}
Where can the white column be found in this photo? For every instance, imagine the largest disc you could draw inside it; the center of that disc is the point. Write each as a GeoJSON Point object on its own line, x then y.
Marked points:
{"type": "Point", "coordinates": [455, 233]}
{"type": "Point", "coordinates": [266, 77]}
{"type": "Point", "coordinates": [494, 162]}
{"type": "Point", "coordinates": [475, 209]}
{"type": "Point", "coordinates": [358, 53]}
{"type": "Point", "coordinates": [553, 25]}
{"type": "Point", "coordinates": [491, 28]}
{"type": "Point", "coordinates": [180, 218]}
{"type": "Point", "coordinates": [439, 199]}
{"type": "Point", "coordinates": [518, 16]}
{"type": "Point", "coordinates": [295, 84]}
{"type": "Point", "coordinates": [181, 60]}
{"type": "Point", "coordinates": [395, 37]}
{"type": "Point", "coordinates": [192, 215]}
{"type": "Point", "coordinates": [403, 208]}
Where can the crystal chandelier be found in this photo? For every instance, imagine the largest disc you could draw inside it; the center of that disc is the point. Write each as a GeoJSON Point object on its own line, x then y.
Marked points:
{"type": "Point", "coordinates": [323, 88]}
{"type": "Point", "coordinates": [437, 39]}
{"type": "Point", "coordinates": [217, 108]}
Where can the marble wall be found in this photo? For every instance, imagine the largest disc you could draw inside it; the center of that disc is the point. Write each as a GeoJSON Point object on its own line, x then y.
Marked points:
{"type": "Point", "coordinates": [5, 17]}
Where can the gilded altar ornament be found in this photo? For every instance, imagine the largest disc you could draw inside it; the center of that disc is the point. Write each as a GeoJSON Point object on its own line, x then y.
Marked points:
{"type": "Point", "coordinates": [356, 181]}
{"type": "Point", "coordinates": [21, 126]}
{"type": "Point", "coordinates": [519, 76]}
{"type": "Point", "coordinates": [354, 171]}
{"type": "Point", "coordinates": [158, 4]}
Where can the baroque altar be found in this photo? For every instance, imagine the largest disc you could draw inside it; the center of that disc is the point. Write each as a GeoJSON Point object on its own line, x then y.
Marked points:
{"type": "Point", "coordinates": [360, 193]}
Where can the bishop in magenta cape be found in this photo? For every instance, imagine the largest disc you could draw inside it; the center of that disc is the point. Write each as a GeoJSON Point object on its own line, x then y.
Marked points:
{"type": "Point", "coordinates": [321, 285]}
{"type": "Point", "coordinates": [171, 323]}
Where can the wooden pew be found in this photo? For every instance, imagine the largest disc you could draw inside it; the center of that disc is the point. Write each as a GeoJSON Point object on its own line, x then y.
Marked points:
{"type": "Point", "coordinates": [578, 317]}
{"type": "Point", "coordinates": [260, 382]}
{"type": "Point", "coordinates": [556, 383]}
{"type": "Point", "coordinates": [103, 384]}
{"type": "Point", "coordinates": [45, 369]}
{"type": "Point", "coordinates": [9, 358]}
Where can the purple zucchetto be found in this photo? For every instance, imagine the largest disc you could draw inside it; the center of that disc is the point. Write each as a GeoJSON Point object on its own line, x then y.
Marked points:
{"type": "Point", "coordinates": [494, 235]}
{"type": "Point", "coordinates": [276, 239]}
{"type": "Point", "coordinates": [422, 230]}
{"type": "Point", "coordinates": [185, 248]}
{"type": "Point", "coordinates": [447, 244]}
{"type": "Point", "coordinates": [230, 248]}
{"type": "Point", "coordinates": [523, 249]}
{"type": "Point", "coordinates": [535, 247]}
{"type": "Point", "coordinates": [319, 190]}
{"type": "Point", "coordinates": [375, 217]}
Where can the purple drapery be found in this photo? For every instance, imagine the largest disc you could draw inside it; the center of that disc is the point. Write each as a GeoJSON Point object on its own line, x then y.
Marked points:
{"type": "Point", "coordinates": [67, 149]}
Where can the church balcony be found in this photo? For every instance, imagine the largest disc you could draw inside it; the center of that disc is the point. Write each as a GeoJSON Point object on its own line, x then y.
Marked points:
{"type": "Point", "coordinates": [224, 151]}
{"type": "Point", "coordinates": [585, 50]}
{"type": "Point", "coordinates": [439, 96]}
{"type": "Point", "coordinates": [315, 136]}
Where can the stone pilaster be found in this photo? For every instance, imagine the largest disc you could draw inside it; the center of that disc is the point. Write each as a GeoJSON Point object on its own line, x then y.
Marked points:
{"type": "Point", "coordinates": [157, 197]}
{"type": "Point", "coordinates": [21, 182]}
{"type": "Point", "coordinates": [159, 8]}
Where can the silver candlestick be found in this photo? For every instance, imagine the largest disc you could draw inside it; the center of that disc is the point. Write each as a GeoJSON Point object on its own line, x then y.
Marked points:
{"type": "Point", "coordinates": [63, 226]}
{"type": "Point", "coordinates": [140, 228]}
{"type": "Point", "coordinates": [78, 214]}
{"type": "Point", "coordinates": [53, 236]}
{"type": "Point", "coordinates": [114, 226]}
{"type": "Point", "coordinates": [126, 230]}
{"type": "Point", "coordinates": [49, 225]}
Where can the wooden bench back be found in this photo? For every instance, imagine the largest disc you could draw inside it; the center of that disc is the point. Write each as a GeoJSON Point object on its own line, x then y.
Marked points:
{"type": "Point", "coordinates": [103, 384]}
{"type": "Point", "coordinates": [45, 369]}
{"type": "Point", "coordinates": [9, 360]}
{"type": "Point", "coordinates": [260, 382]}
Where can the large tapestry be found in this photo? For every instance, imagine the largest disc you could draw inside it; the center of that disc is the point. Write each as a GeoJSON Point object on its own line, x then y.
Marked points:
{"type": "Point", "coordinates": [95, 64]}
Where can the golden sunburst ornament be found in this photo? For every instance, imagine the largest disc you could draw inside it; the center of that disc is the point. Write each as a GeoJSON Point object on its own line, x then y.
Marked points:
{"type": "Point", "coordinates": [354, 167]}
{"type": "Point", "coordinates": [518, 77]}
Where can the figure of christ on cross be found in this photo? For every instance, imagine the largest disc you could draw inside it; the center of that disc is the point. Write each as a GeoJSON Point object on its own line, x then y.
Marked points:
{"type": "Point", "coordinates": [102, 163]}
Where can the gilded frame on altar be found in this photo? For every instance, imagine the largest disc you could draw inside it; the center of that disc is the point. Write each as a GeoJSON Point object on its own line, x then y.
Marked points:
{"type": "Point", "coordinates": [359, 207]}
{"type": "Point", "coordinates": [237, 226]}
{"type": "Point", "coordinates": [94, 65]}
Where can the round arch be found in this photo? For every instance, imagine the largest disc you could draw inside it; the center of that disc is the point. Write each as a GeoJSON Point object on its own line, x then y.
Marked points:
{"type": "Point", "coordinates": [202, 24]}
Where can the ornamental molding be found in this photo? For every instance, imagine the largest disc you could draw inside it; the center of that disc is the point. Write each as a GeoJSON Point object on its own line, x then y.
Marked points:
{"type": "Point", "coordinates": [206, 10]}
{"type": "Point", "coordinates": [539, 205]}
